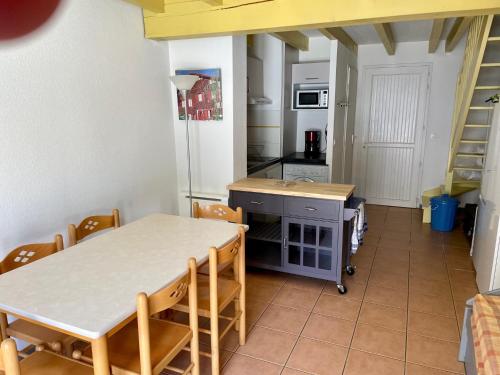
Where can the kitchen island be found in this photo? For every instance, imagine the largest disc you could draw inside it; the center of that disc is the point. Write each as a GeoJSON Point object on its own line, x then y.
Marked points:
{"type": "Point", "coordinates": [296, 227]}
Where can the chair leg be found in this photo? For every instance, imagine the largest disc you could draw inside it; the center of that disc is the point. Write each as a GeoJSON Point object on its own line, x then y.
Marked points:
{"type": "Point", "coordinates": [236, 310]}
{"type": "Point", "coordinates": [214, 340]}
{"type": "Point", "coordinates": [242, 321]}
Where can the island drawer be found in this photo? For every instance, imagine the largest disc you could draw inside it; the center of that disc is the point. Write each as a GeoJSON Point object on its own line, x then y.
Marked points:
{"type": "Point", "coordinates": [258, 203]}
{"type": "Point", "coordinates": [322, 209]}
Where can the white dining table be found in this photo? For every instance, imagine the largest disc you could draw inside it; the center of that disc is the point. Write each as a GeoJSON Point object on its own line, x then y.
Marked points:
{"type": "Point", "coordinates": [89, 290]}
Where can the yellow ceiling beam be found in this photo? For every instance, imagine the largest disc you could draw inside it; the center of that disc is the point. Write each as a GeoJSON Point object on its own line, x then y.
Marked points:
{"type": "Point", "coordinates": [386, 36]}
{"type": "Point", "coordinates": [436, 32]}
{"type": "Point", "coordinates": [458, 29]}
{"type": "Point", "coordinates": [289, 15]}
{"type": "Point", "coordinates": [186, 7]}
{"type": "Point", "coordinates": [156, 6]}
{"type": "Point", "coordinates": [340, 34]}
{"type": "Point", "coordinates": [294, 38]}
{"type": "Point", "coordinates": [213, 2]}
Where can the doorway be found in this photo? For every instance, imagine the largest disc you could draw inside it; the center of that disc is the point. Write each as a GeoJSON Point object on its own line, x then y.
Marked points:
{"type": "Point", "coordinates": [394, 113]}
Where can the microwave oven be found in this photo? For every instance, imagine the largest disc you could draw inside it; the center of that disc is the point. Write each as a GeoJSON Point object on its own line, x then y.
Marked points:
{"type": "Point", "coordinates": [311, 98]}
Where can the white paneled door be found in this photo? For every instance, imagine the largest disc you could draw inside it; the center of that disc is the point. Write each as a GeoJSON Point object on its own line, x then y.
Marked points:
{"type": "Point", "coordinates": [393, 119]}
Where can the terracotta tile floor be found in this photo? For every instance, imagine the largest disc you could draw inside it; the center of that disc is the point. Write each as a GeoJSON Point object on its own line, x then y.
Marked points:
{"type": "Point", "coordinates": [402, 313]}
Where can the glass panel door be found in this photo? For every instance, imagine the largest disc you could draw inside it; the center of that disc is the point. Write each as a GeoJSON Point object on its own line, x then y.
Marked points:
{"type": "Point", "coordinates": [310, 246]}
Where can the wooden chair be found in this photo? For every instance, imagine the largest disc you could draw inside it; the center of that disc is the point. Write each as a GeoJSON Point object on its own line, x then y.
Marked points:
{"type": "Point", "coordinates": [91, 225]}
{"type": "Point", "coordinates": [215, 294]}
{"type": "Point", "coordinates": [147, 345]}
{"type": "Point", "coordinates": [38, 363]}
{"type": "Point", "coordinates": [24, 330]}
{"type": "Point", "coordinates": [217, 212]}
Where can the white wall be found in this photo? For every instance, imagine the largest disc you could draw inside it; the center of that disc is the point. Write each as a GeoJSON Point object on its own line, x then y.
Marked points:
{"type": "Point", "coordinates": [218, 148]}
{"type": "Point", "coordinates": [444, 72]}
{"type": "Point", "coordinates": [85, 123]}
{"type": "Point", "coordinates": [319, 50]}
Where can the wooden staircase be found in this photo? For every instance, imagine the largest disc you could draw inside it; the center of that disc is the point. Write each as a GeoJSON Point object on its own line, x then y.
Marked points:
{"type": "Point", "coordinates": [478, 80]}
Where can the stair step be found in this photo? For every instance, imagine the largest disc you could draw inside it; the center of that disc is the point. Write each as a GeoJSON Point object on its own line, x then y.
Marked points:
{"type": "Point", "coordinates": [494, 39]}
{"type": "Point", "coordinates": [477, 126]}
{"type": "Point", "coordinates": [481, 108]}
{"type": "Point", "coordinates": [466, 183]}
{"type": "Point", "coordinates": [486, 88]}
{"type": "Point", "coordinates": [478, 169]}
{"type": "Point", "coordinates": [474, 141]}
{"type": "Point", "coordinates": [470, 155]}
{"type": "Point", "coordinates": [490, 65]}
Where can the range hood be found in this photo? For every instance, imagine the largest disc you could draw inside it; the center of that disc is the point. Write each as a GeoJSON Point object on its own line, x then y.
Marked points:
{"type": "Point", "coordinates": [255, 82]}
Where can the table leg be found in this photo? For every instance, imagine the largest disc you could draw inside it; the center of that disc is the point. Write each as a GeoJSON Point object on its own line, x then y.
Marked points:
{"type": "Point", "coordinates": [100, 356]}
{"type": "Point", "coordinates": [3, 326]}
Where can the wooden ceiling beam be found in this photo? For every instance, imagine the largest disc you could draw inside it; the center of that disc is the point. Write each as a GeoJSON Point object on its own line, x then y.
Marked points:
{"type": "Point", "coordinates": [339, 34]}
{"type": "Point", "coordinates": [294, 38]}
{"type": "Point", "coordinates": [213, 2]}
{"type": "Point", "coordinates": [458, 29]}
{"type": "Point", "coordinates": [185, 20]}
{"type": "Point", "coordinates": [386, 36]}
{"type": "Point", "coordinates": [436, 32]}
{"type": "Point", "coordinates": [156, 6]}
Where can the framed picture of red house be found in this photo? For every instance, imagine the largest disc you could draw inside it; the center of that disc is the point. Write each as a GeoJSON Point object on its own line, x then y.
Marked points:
{"type": "Point", "coordinates": [204, 101]}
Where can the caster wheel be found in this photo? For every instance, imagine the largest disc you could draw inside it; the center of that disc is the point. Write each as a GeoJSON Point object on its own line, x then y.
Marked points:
{"type": "Point", "coordinates": [342, 289]}
{"type": "Point", "coordinates": [350, 270]}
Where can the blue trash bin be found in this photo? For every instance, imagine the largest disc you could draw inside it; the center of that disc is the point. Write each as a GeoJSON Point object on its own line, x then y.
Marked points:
{"type": "Point", "coordinates": [443, 213]}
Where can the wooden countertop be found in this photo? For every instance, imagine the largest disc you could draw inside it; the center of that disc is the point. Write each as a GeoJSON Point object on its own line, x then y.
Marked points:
{"type": "Point", "coordinates": [293, 188]}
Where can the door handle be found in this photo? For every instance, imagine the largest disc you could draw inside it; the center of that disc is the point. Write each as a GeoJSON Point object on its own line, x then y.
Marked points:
{"type": "Point", "coordinates": [285, 242]}
{"type": "Point", "coordinates": [310, 208]}
{"type": "Point", "coordinates": [256, 202]}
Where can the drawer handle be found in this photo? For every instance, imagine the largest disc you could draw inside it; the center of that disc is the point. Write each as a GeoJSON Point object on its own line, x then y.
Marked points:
{"type": "Point", "coordinates": [310, 209]}
{"type": "Point", "coordinates": [256, 202]}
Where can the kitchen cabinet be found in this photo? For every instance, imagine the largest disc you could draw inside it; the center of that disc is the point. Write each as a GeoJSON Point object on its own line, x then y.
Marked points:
{"type": "Point", "coordinates": [311, 73]}
{"type": "Point", "coordinates": [310, 246]}
{"type": "Point", "coordinates": [297, 227]}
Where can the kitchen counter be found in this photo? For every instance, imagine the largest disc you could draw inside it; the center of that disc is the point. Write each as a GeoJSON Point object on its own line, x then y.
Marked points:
{"type": "Point", "coordinates": [301, 158]}
{"type": "Point", "coordinates": [294, 188]}
{"type": "Point", "coordinates": [296, 227]}
{"type": "Point", "coordinates": [257, 163]}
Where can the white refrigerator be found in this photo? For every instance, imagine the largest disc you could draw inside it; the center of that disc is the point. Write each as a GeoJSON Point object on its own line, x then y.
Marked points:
{"type": "Point", "coordinates": [486, 244]}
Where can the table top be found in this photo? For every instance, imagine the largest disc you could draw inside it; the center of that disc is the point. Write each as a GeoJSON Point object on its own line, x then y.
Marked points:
{"type": "Point", "coordinates": [91, 287]}
{"type": "Point", "coordinates": [294, 188]}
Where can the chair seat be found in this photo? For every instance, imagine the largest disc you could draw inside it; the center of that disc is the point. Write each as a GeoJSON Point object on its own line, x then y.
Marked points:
{"type": "Point", "coordinates": [226, 292]}
{"type": "Point", "coordinates": [36, 334]}
{"type": "Point", "coordinates": [46, 363]}
{"type": "Point", "coordinates": [167, 340]}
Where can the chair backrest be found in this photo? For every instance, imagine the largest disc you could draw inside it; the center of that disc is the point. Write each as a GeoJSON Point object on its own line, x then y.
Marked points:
{"type": "Point", "coordinates": [92, 224]}
{"type": "Point", "coordinates": [233, 252]}
{"type": "Point", "coordinates": [25, 254]}
{"type": "Point", "coordinates": [9, 362]}
{"type": "Point", "coordinates": [160, 301]}
{"type": "Point", "coordinates": [218, 212]}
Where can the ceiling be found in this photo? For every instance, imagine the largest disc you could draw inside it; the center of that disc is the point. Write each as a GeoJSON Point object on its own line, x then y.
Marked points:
{"type": "Point", "coordinates": [413, 31]}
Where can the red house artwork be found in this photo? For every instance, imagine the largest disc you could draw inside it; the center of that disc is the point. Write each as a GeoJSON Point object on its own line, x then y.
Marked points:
{"type": "Point", "coordinates": [204, 101]}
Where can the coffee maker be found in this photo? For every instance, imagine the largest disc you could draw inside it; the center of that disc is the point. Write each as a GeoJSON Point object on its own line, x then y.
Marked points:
{"type": "Point", "coordinates": [312, 147]}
